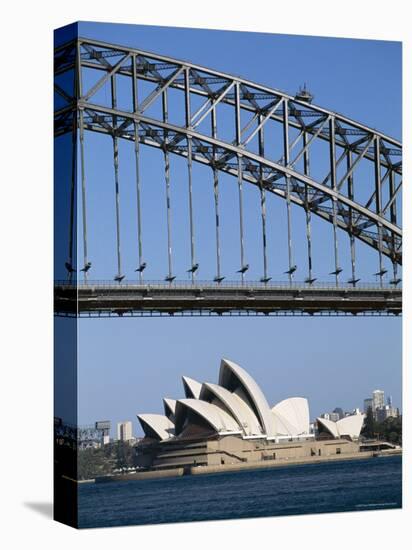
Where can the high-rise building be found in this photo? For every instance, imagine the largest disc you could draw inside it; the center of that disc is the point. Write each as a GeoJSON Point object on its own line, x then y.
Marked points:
{"type": "Point", "coordinates": [367, 404]}
{"type": "Point", "coordinates": [124, 431]}
{"type": "Point", "coordinates": [339, 411]}
{"type": "Point", "coordinates": [378, 399]}
{"type": "Point", "coordinates": [330, 416]}
{"type": "Point", "coordinates": [377, 403]}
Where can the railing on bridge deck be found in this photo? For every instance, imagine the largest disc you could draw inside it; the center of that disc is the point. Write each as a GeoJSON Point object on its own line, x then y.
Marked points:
{"type": "Point", "coordinates": [189, 284]}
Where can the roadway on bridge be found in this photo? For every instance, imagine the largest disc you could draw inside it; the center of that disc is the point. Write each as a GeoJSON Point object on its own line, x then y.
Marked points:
{"type": "Point", "coordinates": [105, 298]}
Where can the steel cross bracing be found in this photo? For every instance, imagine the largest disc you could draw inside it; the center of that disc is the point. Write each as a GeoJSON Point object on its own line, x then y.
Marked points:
{"type": "Point", "coordinates": [359, 191]}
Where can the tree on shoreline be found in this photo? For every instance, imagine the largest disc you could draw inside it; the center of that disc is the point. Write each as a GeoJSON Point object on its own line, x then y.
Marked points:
{"type": "Point", "coordinates": [92, 463]}
{"type": "Point", "coordinates": [369, 426]}
{"type": "Point", "coordinates": [389, 430]}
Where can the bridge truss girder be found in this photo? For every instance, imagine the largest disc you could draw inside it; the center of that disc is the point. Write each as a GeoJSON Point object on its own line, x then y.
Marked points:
{"type": "Point", "coordinates": [105, 299]}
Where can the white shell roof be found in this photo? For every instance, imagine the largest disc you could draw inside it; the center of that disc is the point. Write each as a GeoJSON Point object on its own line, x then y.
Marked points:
{"type": "Point", "coordinates": [253, 393]}
{"type": "Point", "coordinates": [169, 406]}
{"type": "Point", "coordinates": [292, 416]}
{"type": "Point", "coordinates": [351, 425]}
{"type": "Point", "coordinates": [329, 425]}
{"type": "Point", "coordinates": [218, 419]}
{"type": "Point", "coordinates": [192, 387]}
{"type": "Point", "coordinates": [158, 423]}
{"type": "Point", "coordinates": [238, 408]}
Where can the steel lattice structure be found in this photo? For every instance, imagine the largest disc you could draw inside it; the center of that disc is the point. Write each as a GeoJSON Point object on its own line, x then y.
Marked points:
{"type": "Point", "coordinates": [79, 436]}
{"type": "Point", "coordinates": [359, 191]}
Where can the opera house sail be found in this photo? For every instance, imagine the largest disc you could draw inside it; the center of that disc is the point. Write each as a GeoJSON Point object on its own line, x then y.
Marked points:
{"type": "Point", "coordinates": [350, 426]}
{"type": "Point", "coordinates": [231, 424]}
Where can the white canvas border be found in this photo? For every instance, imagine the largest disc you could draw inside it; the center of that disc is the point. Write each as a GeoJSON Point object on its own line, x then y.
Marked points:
{"type": "Point", "coordinates": [26, 273]}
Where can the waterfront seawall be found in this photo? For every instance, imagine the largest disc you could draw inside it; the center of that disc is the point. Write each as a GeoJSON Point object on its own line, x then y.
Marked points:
{"type": "Point", "coordinates": [149, 474]}
{"type": "Point", "coordinates": [200, 470]}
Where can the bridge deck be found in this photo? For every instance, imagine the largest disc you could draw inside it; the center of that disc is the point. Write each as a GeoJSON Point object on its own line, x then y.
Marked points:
{"type": "Point", "coordinates": [98, 298]}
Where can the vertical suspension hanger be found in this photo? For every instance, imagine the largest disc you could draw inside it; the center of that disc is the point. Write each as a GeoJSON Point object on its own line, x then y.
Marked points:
{"type": "Point", "coordinates": [265, 279]}
{"type": "Point", "coordinates": [69, 264]}
{"type": "Point", "coordinates": [194, 266]}
{"type": "Point", "coordinates": [218, 278]}
{"type": "Point", "coordinates": [332, 157]}
{"type": "Point", "coordinates": [142, 264]}
{"type": "Point", "coordinates": [306, 170]}
{"type": "Point", "coordinates": [169, 277]}
{"type": "Point", "coordinates": [119, 276]}
{"type": "Point", "coordinates": [378, 193]}
{"type": "Point", "coordinates": [353, 280]}
{"type": "Point", "coordinates": [396, 280]}
{"type": "Point", "coordinates": [243, 266]}
{"type": "Point", "coordinates": [86, 263]}
{"type": "Point", "coordinates": [292, 266]}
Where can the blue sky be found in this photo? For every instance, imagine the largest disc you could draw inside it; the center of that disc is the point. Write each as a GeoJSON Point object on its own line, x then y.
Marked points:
{"type": "Point", "coordinates": [127, 366]}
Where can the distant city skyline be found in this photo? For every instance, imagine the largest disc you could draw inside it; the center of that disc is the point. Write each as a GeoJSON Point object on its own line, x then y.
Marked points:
{"type": "Point", "coordinates": [125, 429]}
{"type": "Point", "coordinates": [376, 402]}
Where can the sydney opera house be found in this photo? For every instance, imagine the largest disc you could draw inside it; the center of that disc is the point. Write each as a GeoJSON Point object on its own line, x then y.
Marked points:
{"type": "Point", "coordinates": [232, 423]}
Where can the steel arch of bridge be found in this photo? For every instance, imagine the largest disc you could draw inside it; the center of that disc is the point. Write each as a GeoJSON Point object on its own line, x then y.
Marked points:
{"type": "Point", "coordinates": [333, 197]}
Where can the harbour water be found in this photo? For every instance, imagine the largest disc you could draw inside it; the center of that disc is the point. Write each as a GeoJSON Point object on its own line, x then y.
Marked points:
{"type": "Point", "coordinates": [369, 484]}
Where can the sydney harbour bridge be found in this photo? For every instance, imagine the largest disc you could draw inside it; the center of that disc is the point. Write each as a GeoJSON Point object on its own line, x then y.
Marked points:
{"type": "Point", "coordinates": [321, 168]}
